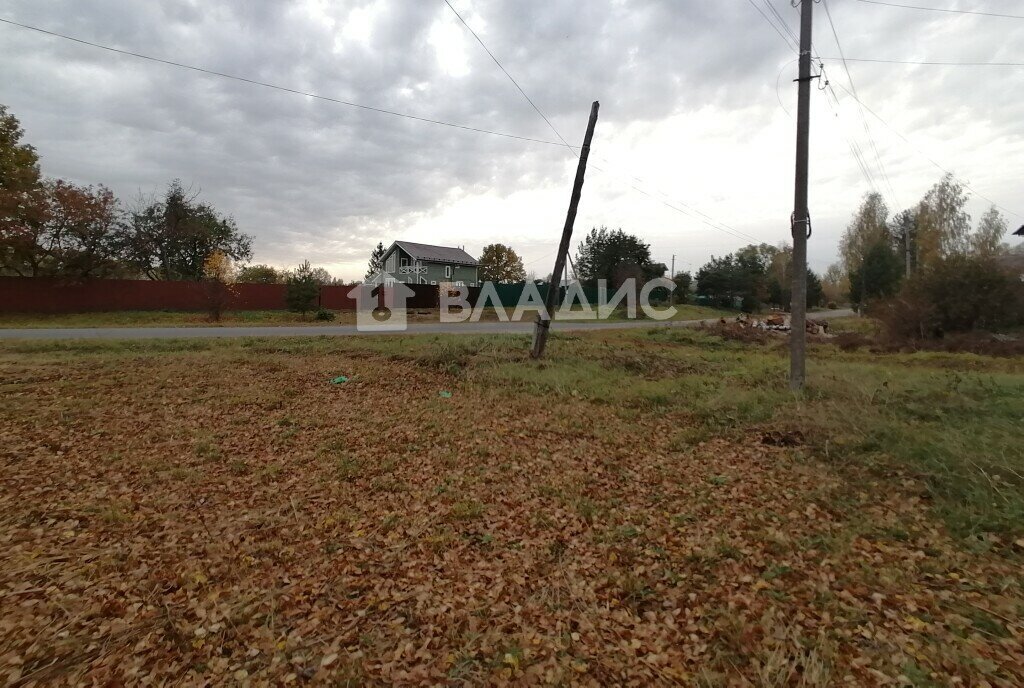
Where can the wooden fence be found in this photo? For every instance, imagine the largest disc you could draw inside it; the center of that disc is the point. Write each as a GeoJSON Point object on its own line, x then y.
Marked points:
{"type": "Point", "coordinates": [53, 295]}
{"type": "Point", "coordinates": [49, 295]}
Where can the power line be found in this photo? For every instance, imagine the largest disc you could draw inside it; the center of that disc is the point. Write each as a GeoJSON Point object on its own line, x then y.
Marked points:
{"type": "Point", "coordinates": [941, 64]}
{"type": "Point", "coordinates": [536, 260]}
{"type": "Point", "coordinates": [926, 156]}
{"type": "Point", "coordinates": [709, 221]}
{"type": "Point", "coordinates": [943, 9]}
{"type": "Point", "coordinates": [772, 24]}
{"type": "Point", "coordinates": [864, 119]}
{"type": "Point", "coordinates": [855, 149]}
{"type": "Point", "coordinates": [285, 89]}
{"type": "Point", "coordinates": [510, 78]}
{"type": "Point", "coordinates": [693, 212]}
{"type": "Point", "coordinates": [825, 86]}
{"type": "Point", "coordinates": [672, 203]}
{"type": "Point", "coordinates": [782, 21]}
{"type": "Point", "coordinates": [778, 86]}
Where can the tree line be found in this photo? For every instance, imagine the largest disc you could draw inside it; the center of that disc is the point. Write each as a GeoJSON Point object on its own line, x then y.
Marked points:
{"type": "Point", "coordinates": [755, 275]}
{"type": "Point", "coordinates": [924, 270]}
{"type": "Point", "coordinates": [53, 228]}
{"type": "Point", "coordinates": [879, 250]}
{"type": "Point", "coordinates": [749, 278]}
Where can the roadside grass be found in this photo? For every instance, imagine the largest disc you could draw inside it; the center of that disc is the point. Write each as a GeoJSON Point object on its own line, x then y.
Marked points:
{"type": "Point", "coordinates": [951, 421]}
{"type": "Point", "coordinates": [649, 506]}
{"type": "Point", "coordinates": [855, 324]}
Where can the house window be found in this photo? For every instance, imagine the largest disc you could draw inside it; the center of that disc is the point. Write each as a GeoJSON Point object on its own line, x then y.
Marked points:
{"type": "Point", "coordinates": [391, 263]}
{"type": "Point", "coordinates": [405, 262]}
{"type": "Point", "coordinates": [448, 271]}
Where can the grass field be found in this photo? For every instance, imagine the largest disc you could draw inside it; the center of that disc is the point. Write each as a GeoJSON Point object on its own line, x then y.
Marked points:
{"type": "Point", "coordinates": [263, 318]}
{"type": "Point", "coordinates": [642, 507]}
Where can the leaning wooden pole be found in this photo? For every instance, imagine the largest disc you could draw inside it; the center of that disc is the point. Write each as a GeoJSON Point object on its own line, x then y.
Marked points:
{"type": "Point", "coordinates": [543, 326]}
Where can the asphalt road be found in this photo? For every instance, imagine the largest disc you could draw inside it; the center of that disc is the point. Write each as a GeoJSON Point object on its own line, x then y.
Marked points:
{"type": "Point", "coordinates": [346, 330]}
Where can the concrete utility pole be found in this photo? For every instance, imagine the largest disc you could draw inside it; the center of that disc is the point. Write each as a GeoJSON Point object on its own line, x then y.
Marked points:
{"type": "Point", "coordinates": [801, 216]}
{"type": "Point", "coordinates": [540, 333]}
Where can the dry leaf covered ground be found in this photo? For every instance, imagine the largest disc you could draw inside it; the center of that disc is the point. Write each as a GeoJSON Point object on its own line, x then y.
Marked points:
{"type": "Point", "coordinates": [637, 510]}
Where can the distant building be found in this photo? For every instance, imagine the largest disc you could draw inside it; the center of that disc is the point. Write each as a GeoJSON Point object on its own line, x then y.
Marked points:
{"type": "Point", "coordinates": [1019, 232]}
{"type": "Point", "coordinates": [411, 263]}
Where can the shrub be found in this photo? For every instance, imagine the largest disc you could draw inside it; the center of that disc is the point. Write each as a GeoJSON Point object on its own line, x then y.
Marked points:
{"type": "Point", "coordinates": [218, 283]}
{"type": "Point", "coordinates": [324, 315]}
{"type": "Point", "coordinates": [956, 294]}
{"type": "Point", "coordinates": [303, 289]}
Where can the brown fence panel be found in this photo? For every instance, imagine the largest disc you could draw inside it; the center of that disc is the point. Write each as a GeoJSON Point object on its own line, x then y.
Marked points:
{"type": "Point", "coordinates": [424, 296]}
{"type": "Point", "coordinates": [258, 297]}
{"type": "Point", "coordinates": [50, 295]}
{"type": "Point", "coordinates": [335, 297]}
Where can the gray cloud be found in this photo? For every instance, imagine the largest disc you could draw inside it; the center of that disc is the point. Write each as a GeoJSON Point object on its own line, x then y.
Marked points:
{"type": "Point", "coordinates": [316, 179]}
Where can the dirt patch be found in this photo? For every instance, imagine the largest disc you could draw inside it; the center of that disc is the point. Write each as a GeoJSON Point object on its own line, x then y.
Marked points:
{"type": "Point", "coordinates": [782, 438]}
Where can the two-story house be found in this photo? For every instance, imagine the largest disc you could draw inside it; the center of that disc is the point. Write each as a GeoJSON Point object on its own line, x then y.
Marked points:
{"type": "Point", "coordinates": [413, 263]}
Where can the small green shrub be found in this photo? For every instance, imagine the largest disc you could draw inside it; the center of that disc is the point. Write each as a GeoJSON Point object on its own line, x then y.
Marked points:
{"type": "Point", "coordinates": [302, 289]}
{"type": "Point", "coordinates": [324, 315]}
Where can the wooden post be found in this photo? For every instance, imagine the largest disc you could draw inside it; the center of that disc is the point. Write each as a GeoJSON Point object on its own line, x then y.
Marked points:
{"type": "Point", "coordinates": [543, 326]}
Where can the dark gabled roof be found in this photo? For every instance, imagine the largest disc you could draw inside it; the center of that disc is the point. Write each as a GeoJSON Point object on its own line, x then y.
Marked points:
{"type": "Point", "coordinates": [1019, 232]}
{"type": "Point", "coordinates": [436, 254]}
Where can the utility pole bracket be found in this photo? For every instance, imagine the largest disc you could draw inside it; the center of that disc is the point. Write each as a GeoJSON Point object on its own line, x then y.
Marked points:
{"type": "Point", "coordinates": [793, 223]}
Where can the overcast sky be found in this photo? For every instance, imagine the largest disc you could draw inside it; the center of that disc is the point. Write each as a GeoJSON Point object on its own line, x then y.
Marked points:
{"type": "Point", "coordinates": [690, 97]}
